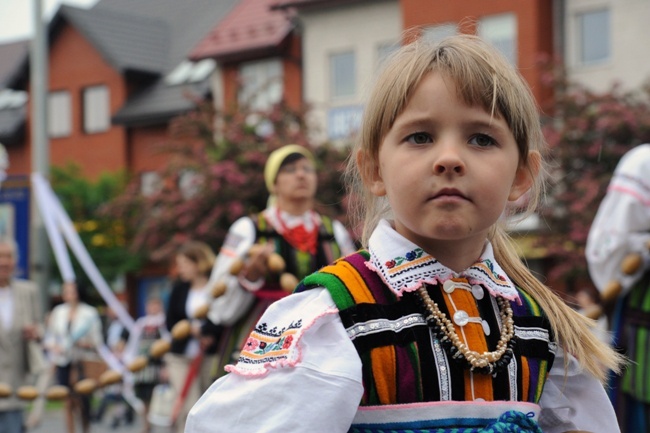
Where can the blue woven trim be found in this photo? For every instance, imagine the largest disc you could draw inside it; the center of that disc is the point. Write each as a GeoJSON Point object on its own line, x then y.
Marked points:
{"type": "Point", "coordinates": [510, 422]}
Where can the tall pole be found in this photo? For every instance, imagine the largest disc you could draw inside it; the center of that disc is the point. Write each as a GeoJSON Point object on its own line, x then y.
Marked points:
{"type": "Point", "coordinates": [39, 250]}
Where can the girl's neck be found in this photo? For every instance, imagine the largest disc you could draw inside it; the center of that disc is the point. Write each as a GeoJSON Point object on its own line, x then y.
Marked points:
{"type": "Point", "coordinates": [456, 255]}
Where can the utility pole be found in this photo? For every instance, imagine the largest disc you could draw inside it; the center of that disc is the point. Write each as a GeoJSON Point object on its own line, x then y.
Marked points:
{"type": "Point", "coordinates": [40, 148]}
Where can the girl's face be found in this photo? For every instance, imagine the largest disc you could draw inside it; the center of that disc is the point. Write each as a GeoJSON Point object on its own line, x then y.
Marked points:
{"type": "Point", "coordinates": [447, 170]}
{"type": "Point", "coordinates": [187, 269]}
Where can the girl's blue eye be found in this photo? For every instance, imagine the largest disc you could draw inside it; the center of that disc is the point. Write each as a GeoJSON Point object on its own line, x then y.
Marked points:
{"type": "Point", "coordinates": [482, 140]}
{"type": "Point", "coordinates": [419, 138]}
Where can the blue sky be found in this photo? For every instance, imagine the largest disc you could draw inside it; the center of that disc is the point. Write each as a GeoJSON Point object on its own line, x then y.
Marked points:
{"type": "Point", "coordinates": [16, 16]}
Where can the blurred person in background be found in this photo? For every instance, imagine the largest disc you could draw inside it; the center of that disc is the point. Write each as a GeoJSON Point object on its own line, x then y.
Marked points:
{"type": "Point", "coordinates": [21, 330]}
{"type": "Point", "coordinates": [289, 227]}
{"type": "Point", "coordinates": [112, 396]}
{"type": "Point", "coordinates": [74, 333]}
{"type": "Point", "coordinates": [146, 330]}
{"type": "Point", "coordinates": [190, 362]}
{"type": "Point", "coordinates": [622, 228]}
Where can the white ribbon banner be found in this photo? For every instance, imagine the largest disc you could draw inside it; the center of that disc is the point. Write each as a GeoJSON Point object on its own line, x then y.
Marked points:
{"type": "Point", "coordinates": [52, 210]}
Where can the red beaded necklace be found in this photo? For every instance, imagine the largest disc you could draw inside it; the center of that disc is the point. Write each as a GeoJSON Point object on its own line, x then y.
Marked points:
{"type": "Point", "coordinates": [299, 237]}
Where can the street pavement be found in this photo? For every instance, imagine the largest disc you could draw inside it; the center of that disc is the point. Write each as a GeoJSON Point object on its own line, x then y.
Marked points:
{"type": "Point", "coordinates": [53, 421]}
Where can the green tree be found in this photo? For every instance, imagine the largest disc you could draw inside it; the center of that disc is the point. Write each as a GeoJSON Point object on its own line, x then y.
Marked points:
{"type": "Point", "coordinates": [104, 237]}
{"type": "Point", "coordinates": [212, 178]}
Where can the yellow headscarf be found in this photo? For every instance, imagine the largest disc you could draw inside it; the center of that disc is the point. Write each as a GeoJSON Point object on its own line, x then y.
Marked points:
{"type": "Point", "coordinates": [276, 158]}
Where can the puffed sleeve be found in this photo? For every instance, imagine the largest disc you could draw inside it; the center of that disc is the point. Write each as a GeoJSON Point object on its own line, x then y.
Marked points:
{"type": "Point", "coordinates": [229, 307]}
{"type": "Point", "coordinates": [622, 224]}
{"type": "Point", "coordinates": [343, 238]}
{"type": "Point", "coordinates": [297, 372]}
{"type": "Point", "coordinates": [576, 401]}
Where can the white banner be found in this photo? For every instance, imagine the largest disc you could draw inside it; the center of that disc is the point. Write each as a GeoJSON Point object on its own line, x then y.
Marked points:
{"type": "Point", "coordinates": [51, 209]}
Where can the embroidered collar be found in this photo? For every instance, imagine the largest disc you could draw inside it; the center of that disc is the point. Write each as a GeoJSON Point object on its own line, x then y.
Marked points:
{"type": "Point", "coordinates": [404, 266]}
{"type": "Point", "coordinates": [279, 218]}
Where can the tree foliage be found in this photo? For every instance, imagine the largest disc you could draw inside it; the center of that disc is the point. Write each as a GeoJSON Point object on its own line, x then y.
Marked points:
{"type": "Point", "coordinates": [214, 175]}
{"type": "Point", "coordinates": [588, 132]}
{"type": "Point", "coordinates": [103, 237]}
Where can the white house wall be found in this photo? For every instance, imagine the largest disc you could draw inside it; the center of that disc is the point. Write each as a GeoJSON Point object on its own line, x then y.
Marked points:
{"type": "Point", "coordinates": [629, 63]}
{"type": "Point", "coordinates": [361, 27]}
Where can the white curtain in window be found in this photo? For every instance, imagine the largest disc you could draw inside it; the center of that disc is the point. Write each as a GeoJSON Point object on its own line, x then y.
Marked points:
{"type": "Point", "coordinates": [501, 31]}
{"type": "Point", "coordinates": [261, 84]}
{"type": "Point", "coordinates": [59, 106]}
{"type": "Point", "coordinates": [97, 117]}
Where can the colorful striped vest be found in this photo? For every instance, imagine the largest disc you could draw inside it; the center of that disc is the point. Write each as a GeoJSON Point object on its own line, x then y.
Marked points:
{"type": "Point", "coordinates": [402, 363]}
{"type": "Point", "coordinates": [300, 263]}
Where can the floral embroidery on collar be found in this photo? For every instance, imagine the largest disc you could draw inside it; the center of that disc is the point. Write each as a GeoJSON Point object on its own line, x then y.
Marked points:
{"type": "Point", "coordinates": [408, 270]}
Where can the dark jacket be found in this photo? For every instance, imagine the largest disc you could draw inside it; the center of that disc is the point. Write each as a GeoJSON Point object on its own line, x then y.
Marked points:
{"type": "Point", "coordinates": [176, 312]}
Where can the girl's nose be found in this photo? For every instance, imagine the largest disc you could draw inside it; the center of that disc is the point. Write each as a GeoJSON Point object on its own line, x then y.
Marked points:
{"type": "Point", "coordinates": [448, 160]}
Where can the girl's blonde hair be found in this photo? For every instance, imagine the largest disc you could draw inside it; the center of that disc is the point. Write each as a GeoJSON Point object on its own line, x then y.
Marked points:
{"type": "Point", "coordinates": [200, 254]}
{"type": "Point", "coordinates": [482, 77]}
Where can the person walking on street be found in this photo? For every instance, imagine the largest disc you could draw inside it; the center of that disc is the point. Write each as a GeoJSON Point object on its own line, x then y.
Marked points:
{"type": "Point", "coordinates": [21, 331]}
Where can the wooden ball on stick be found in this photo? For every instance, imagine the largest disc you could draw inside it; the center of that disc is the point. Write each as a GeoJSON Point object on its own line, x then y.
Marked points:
{"type": "Point", "coordinates": [288, 282]}
{"type": "Point", "coordinates": [159, 348]}
{"type": "Point", "coordinates": [27, 393]}
{"type": "Point", "coordinates": [218, 289]}
{"type": "Point", "coordinates": [57, 392]}
{"type": "Point", "coordinates": [593, 311]}
{"type": "Point", "coordinates": [236, 267]}
{"type": "Point", "coordinates": [181, 330]}
{"type": "Point", "coordinates": [85, 386]}
{"type": "Point", "coordinates": [138, 364]}
{"type": "Point", "coordinates": [202, 311]}
{"type": "Point", "coordinates": [631, 263]}
{"type": "Point", "coordinates": [275, 263]}
{"type": "Point", "coordinates": [610, 292]}
{"type": "Point", "coordinates": [109, 377]}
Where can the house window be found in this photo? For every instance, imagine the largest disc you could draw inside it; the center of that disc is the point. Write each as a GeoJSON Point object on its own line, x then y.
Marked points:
{"type": "Point", "coordinates": [342, 75]}
{"type": "Point", "coordinates": [96, 103]}
{"type": "Point", "coordinates": [501, 31]}
{"type": "Point", "coordinates": [59, 115]}
{"type": "Point", "coordinates": [261, 84]}
{"type": "Point", "coordinates": [439, 32]}
{"type": "Point", "coordinates": [593, 37]}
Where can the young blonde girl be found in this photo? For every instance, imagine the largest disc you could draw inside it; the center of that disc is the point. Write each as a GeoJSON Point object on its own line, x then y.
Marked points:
{"type": "Point", "coordinates": [436, 326]}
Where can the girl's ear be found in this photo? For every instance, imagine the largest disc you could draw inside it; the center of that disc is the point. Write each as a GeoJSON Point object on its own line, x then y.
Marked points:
{"type": "Point", "coordinates": [370, 174]}
{"type": "Point", "coordinates": [526, 174]}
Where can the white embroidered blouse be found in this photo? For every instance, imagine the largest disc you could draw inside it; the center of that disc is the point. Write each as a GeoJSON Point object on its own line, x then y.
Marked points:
{"type": "Point", "coordinates": [312, 382]}
{"type": "Point", "coordinates": [622, 224]}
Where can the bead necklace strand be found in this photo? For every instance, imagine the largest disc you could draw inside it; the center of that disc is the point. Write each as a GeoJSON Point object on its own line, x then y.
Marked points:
{"type": "Point", "coordinates": [486, 362]}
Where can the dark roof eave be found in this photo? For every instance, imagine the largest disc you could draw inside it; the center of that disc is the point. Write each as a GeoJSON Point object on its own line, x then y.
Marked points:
{"type": "Point", "coordinates": [302, 4]}
{"type": "Point", "coordinates": [242, 56]}
{"type": "Point", "coordinates": [148, 119]}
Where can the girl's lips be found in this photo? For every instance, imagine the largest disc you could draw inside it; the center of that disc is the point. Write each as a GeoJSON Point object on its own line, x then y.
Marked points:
{"type": "Point", "coordinates": [449, 193]}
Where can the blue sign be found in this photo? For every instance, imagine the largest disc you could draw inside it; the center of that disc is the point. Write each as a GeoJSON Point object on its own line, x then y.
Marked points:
{"type": "Point", "coordinates": [14, 218]}
{"type": "Point", "coordinates": [343, 122]}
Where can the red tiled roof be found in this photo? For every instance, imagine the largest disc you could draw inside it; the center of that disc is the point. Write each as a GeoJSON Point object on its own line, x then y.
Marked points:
{"type": "Point", "coordinates": [251, 25]}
